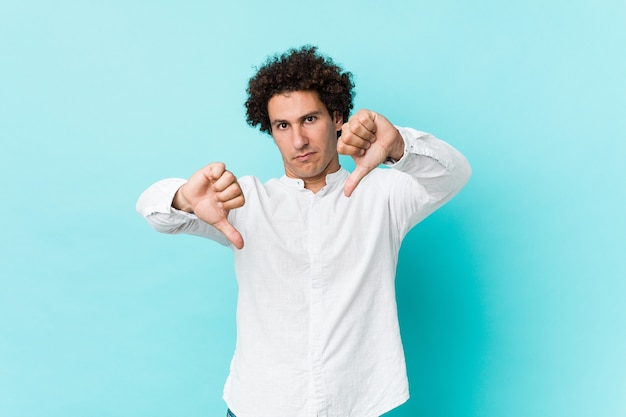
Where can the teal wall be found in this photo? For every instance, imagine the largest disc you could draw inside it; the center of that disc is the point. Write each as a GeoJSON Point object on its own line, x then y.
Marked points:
{"type": "Point", "coordinates": [512, 297]}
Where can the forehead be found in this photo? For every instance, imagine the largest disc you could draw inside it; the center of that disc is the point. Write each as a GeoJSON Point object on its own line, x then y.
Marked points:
{"type": "Point", "coordinates": [294, 105]}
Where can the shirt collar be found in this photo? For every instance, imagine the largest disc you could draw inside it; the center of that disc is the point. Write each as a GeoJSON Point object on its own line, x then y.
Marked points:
{"type": "Point", "coordinates": [332, 180]}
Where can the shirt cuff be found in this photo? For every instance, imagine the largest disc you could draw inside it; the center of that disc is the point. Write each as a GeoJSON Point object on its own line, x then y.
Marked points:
{"type": "Point", "coordinates": [405, 134]}
{"type": "Point", "coordinates": [159, 196]}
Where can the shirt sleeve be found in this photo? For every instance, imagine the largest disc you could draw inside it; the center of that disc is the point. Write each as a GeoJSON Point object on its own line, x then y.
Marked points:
{"type": "Point", "coordinates": [155, 205]}
{"type": "Point", "coordinates": [440, 171]}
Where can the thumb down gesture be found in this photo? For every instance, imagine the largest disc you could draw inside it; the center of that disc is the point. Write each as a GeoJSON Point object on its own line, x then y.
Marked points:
{"type": "Point", "coordinates": [369, 138]}
{"type": "Point", "coordinates": [211, 193]}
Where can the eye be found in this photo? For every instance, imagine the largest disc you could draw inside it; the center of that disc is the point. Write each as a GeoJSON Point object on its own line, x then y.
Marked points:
{"type": "Point", "coordinates": [310, 119]}
{"type": "Point", "coordinates": [281, 126]}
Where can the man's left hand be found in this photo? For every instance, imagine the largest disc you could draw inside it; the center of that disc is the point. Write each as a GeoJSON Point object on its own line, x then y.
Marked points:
{"type": "Point", "coordinates": [369, 138]}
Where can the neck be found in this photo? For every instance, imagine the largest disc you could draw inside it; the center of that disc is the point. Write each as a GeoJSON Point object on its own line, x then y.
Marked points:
{"type": "Point", "coordinates": [316, 183]}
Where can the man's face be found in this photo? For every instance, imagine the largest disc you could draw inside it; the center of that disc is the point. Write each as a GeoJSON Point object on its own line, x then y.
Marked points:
{"type": "Point", "coordinates": [306, 135]}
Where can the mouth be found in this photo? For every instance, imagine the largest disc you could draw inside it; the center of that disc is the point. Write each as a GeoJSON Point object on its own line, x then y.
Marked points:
{"type": "Point", "coordinates": [304, 157]}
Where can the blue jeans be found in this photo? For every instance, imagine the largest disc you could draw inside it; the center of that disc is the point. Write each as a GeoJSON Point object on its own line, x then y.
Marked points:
{"type": "Point", "coordinates": [230, 413]}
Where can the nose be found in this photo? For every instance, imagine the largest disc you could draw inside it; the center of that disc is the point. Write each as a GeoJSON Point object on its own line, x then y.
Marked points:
{"type": "Point", "coordinates": [299, 139]}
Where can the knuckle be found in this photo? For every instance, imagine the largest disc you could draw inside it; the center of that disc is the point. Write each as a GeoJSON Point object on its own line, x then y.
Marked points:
{"type": "Point", "coordinates": [214, 170]}
{"type": "Point", "coordinates": [364, 115]}
{"type": "Point", "coordinates": [228, 178]}
{"type": "Point", "coordinates": [217, 166]}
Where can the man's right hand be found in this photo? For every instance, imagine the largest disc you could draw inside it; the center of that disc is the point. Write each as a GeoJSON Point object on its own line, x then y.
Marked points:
{"type": "Point", "coordinates": [210, 194]}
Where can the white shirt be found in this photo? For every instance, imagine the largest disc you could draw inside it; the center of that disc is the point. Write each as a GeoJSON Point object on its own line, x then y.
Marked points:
{"type": "Point", "coordinates": [317, 325]}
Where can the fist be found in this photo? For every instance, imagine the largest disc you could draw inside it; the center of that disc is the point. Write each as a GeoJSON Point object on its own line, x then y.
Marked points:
{"type": "Point", "coordinates": [210, 193]}
{"type": "Point", "coordinates": [369, 138]}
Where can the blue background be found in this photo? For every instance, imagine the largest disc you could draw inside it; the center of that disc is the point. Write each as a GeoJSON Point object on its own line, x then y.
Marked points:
{"type": "Point", "coordinates": [511, 297]}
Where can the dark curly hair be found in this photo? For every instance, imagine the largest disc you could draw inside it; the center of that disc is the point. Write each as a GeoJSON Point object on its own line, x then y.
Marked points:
{"type": "Point", "coordinates": [298, 70]}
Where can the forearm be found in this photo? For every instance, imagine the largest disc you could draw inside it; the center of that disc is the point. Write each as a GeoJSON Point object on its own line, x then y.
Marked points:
{"type": "Point", "coordinates": [437, 166]}
{"type": "Point", "coordinates": [157, 205]}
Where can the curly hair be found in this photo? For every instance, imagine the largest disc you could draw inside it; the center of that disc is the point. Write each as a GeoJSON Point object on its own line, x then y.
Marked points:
{"type": "Point", "coordinates": [303, 69]}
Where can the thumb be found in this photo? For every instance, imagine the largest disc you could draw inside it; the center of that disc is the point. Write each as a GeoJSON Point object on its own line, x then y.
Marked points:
{"type": "Point", "coordinates": [354, 179]}
{"type": "Point", "coordinates": [230, 232]}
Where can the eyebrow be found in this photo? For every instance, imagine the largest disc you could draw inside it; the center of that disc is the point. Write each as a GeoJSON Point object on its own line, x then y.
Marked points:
{"type": "Point", "coordinates": [279, 121]}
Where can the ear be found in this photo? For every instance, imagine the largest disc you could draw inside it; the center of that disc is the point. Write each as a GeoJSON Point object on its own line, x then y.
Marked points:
{"type": "Point", "coordinates": [338, 120]}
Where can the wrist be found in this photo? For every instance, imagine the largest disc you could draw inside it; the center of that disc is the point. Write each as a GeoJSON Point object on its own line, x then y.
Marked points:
{"type": "Point", "coordinates": [179, 201]}
{"type": "Point", "coordinates": [396, 151]}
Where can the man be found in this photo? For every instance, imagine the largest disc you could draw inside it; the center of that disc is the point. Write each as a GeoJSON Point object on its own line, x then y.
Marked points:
{"type": "Point", "coordinates": [315, 250]}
